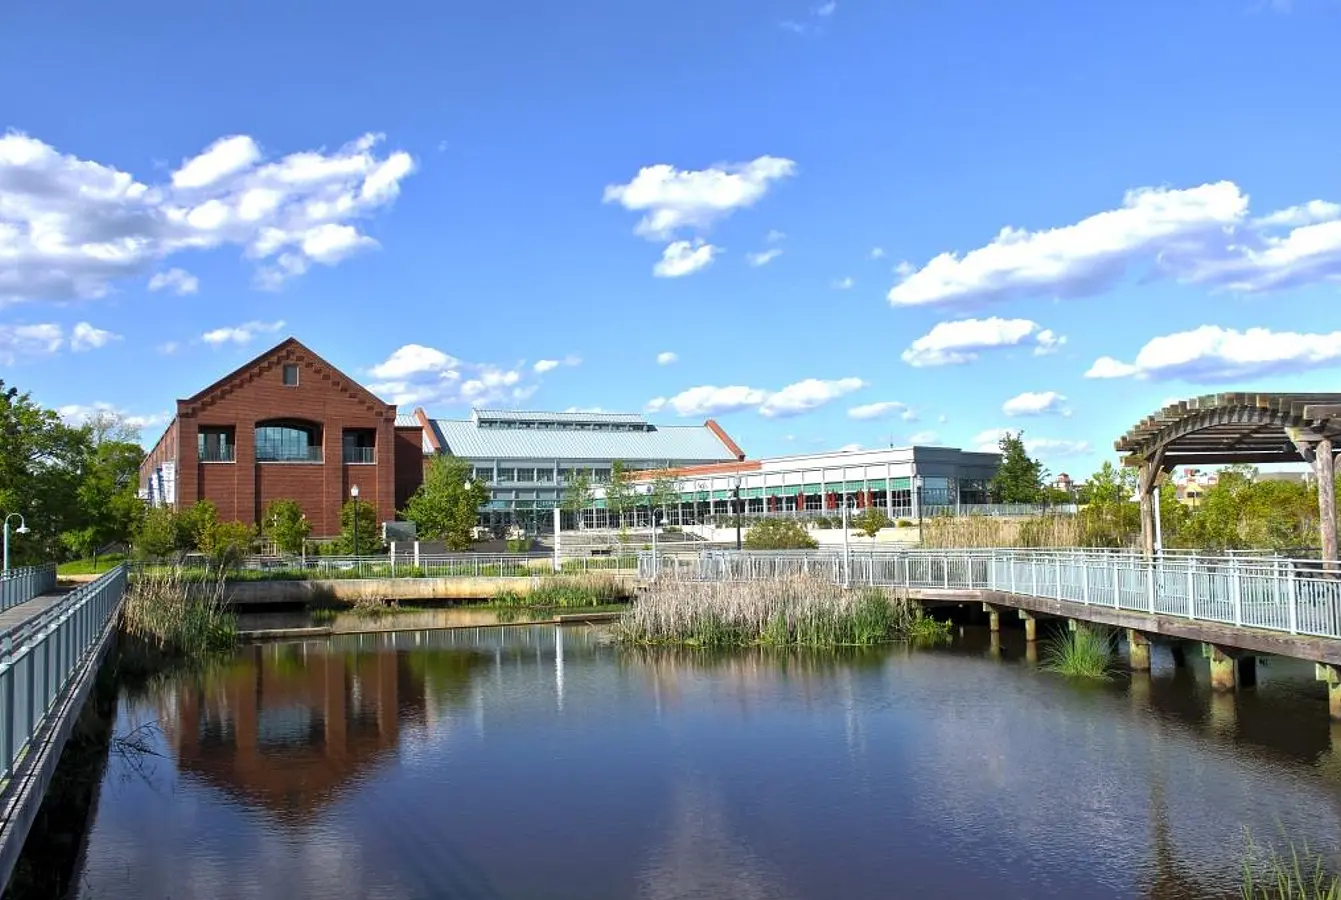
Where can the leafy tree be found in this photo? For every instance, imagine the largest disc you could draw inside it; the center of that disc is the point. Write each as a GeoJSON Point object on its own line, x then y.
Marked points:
{"type": "Point", "coordinates": [108, 497]}
{"type": "Point", "coordinates": [286, 525]}
{"type": "Point", "coordinates": [447, 505]}
{"type": "Point", "coordinates": [369, 541]}
{"type": "Point", "coordinates": [665, 493]}
{"type": "Point", "coordinates": [1020, 477]}
{"type": "Point", "coordinates": [577, 495]}
{"type": "Point", "coordinates": [1110, 517]}
{"type": "Point", "coordinates": [619, 496]}
{"type": "Point", "coordinates": [106, 426]}
{"type": "Point", "coordinates": [870, 520]}
{"type": "Point", "coordinates": [226, 543]}
{"type": "Point", "coordinates": [194, 523]}
{"type": "Point", "coordinates": [158, 534]}
{"type": "Point", "coordinates": [779, 534]}
{"type": "Point", "coordinates": [40, 463]}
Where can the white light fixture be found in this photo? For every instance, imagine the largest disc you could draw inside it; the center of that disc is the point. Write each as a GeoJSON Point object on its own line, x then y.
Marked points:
{"type": "Point", "coordinates": [354, 491]}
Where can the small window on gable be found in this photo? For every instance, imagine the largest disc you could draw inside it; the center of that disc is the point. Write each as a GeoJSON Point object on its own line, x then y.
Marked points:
{"type": "Point", "coordinates": [290, 375]}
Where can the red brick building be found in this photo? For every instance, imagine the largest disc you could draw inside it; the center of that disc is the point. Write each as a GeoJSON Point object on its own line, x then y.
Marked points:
{"type": "Point", "coordinates": [287, 425]}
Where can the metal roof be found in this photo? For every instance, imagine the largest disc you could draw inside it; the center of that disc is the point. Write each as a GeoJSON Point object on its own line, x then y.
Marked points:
{"type": "Point", "coordinates": [1232, 428]}
{"type": "Point", "coordinates": [564, 418]}
{"type": "Point", "coordinates": [407, 420]}
{"type": "Point", "coordinates": [677, 443]}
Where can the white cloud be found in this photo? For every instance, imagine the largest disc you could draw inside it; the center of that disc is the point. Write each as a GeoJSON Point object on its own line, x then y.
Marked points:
{"type": "Point", "coordinates": [904, 269]}
{"type": "Point", "coordinates": [843, 284]}
{"type": "Point", "coordinates": [666, 358]}
{"type": "Point", "coordinates": [877, 253]}
{"type": "Point", "coordinates": [418, 375]}
{"type": "Point", "coordinates": [826, 9]}
{"type": "Point", "coordinates": [71, 227]}
{"type": "Point", "coordinates": [1213, 354]}
{"type": "Point", "coordinates": [953, 343]}
{"type": "Point", "coordinates": [849, 448]}
{"type": "Point", "coordinates": [882, 410]}
{"type": "Point", "coordinates": [79, 413]}
{"type": "Point", "coordinates": [179, 281]}
{"type": "Point", "coordinates": [1200, 235]}
{"type": "Point", "coordinates": [673, 199]}
{"type": "Point", "coordinates": [586, 409]}
{"type": "Point", "coordinates": [20, 342]}
{"type": "Point", "coordinates": [682, 258]}
{"type": "Point", "coordinates": [763, 257]}
{"type": "Point", "coordinates": [85, 337]}
{"type": "Point", "coordinates": [240, 334]}
{"type": "Point", "coordinates": [924, 439]}
{"type": "Point", "coordinates": [711, 400]}
{"type": "Point", "coordinates": [807, 395]}
{"type": "Point", "coordinates": [990, 442]}
{"type": "Point", "coordinates": [774, 236]}
{"type": "Point", "coordinates": [1036, 403]}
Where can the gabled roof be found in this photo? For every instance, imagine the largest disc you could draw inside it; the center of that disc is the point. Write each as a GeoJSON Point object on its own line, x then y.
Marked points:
{"type": "Point", "coordinates": [287, 350]}
{"type": "Point", "coordinates": [556, 418]}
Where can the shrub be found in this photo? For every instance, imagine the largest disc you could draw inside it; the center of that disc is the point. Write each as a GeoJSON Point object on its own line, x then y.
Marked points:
{"type": "Point", "coordinates": [1086, 652]}
{"type": "Point", "coordinates": [870, 520]}
{"type": "Point", "coordinates": [779, 534]}
{"type": "Point", "coordinates": [823, 522]}
{"type": "Point", "coordinates": [904, 523]}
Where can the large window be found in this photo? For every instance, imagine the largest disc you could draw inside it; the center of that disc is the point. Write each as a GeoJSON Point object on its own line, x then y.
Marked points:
{"type": "Point", "coordinates": [215, 444]}
{"type": "Point", "coordinates": [358, 445]}
{"type": "Point", "coordinates": [288, 442]}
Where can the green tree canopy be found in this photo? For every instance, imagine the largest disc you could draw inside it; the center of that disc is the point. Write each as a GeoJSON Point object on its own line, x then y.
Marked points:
{"type": "Point", "coordinates": [41, 459]}
{"type": "Point", "coordinates": [158, 534]}
{"type": "Point", "coordinates": [577, 494]}
{"type": "Point", "coordinates": [226, 543]}
{"type": "Point", "coordinates": [779, 534]}
{"type": "Point", "coordinates": [665, 492]}
{"type": "Point", "coordinates": [369, 540]}
{"type": "Point", "coordinates": [108, 496]}
{"type": "Point", "coordinates": [619, 496]}
{"type": "Point", "coordinates": [446, 506]}
{"type": "Point", "coordinates": [286, 524]}
{"type": "Point", "coordinates": [870, 520]}
{"type": "Point", "coordinates": [1020, 477]}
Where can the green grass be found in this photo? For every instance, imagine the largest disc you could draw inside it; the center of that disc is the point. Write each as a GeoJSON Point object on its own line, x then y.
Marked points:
{"type": "Point", "coordinates": [1087, 652]}
{"type": "Point", "coordinates": [926, 631]}
{"type": "Point", "coordinates": [564, 592]}
{"type": "Point", "coordinates": [1296, 873]}
{"type": "Point", "coordinates": [106, 562]}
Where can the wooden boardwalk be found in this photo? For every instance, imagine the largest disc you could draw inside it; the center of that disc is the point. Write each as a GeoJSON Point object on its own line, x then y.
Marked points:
{"type": "Point", "coordinates": [14, 618]}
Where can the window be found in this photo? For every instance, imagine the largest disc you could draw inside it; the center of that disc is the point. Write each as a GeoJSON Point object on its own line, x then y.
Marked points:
{"type": "Point", "coordinates": [288, 442]}
{"type": "Point", "coordinates": [485, 475]}
{"type": "Point", "coordinates": [359, 445]}
{"type": "Point", "coordinates": [215, 444]}
{"type": "Point", "coordinates": [506, 475]}
{"type": "Point", "coordinates": [290, 375]}
{"type": "Point", "coordinates": [526, 475]}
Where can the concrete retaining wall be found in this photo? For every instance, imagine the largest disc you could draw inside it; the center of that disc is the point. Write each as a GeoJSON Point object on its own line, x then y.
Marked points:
{"type": "Point", "coordinates": [351, 590]}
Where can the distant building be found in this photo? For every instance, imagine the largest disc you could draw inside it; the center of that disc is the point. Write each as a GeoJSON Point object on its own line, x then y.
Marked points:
{"type": "Point", "coordinates": [1063, 482]}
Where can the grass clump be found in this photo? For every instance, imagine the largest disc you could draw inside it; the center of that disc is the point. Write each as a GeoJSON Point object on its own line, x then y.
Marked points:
{"type": "Point", "coordinates": [565, 592]}
{"type": "Point", "coordinates": [926, 631]}
{"type": "Point", "coordinates": [790, 612]}
{"type": "Point", "coordinates": [179, 618]}
{"type": "Point", "coordinates": [1087, 652]}
{"type": "Point", "coordinates": [1296, 873]}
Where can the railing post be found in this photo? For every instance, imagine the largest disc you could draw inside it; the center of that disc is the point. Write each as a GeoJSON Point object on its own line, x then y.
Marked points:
{"type": "Point", "coordinates": [1033, 574]}
{"type": "Point", "coordinates": [1293, 596]}
{"type": "Point", "coordinates": [393, 559]}
{"type": "Point", "coordinates": [1192, 589]}
{"type": "Point", "coordinates": [416, 553]}
{"type": "Point", "coordinates": [1236, 588]}
{"type": "Point", "coordinates": [1010, 557]}
{"type": "Point", "coordinates": [1059, 595]}
{"type": "Point", "coordinates": [1084, 582]}
{"type": "Point", "coordinates": [1150, 586]}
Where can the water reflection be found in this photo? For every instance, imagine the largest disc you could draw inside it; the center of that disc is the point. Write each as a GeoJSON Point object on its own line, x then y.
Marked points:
{"type": "Point", "coordinates": [535, 761]}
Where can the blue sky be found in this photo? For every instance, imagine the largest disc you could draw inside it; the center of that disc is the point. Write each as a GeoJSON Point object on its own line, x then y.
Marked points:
{"type": "Point", "coordinates": [850, 223]}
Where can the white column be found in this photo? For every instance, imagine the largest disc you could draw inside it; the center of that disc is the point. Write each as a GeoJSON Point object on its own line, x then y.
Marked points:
{"type": "Point", "coordinates": [558, 527]}
{"type": "Point", "coordinates": [416, 553]}
{"type": "Point", "coordinates": [889, 491]}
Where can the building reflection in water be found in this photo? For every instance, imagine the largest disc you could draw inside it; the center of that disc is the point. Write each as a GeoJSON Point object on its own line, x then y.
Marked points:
{"type": "Point", "coordinates": [287, 727]}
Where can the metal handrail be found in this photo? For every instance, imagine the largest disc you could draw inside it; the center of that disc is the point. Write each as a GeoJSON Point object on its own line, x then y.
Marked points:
{"type": "Point", "coordinates": [39, 658]}
{"type": "Point", "coordinates": [1283, 595]}
{"type": "Point", "coordinates": [21, 585]}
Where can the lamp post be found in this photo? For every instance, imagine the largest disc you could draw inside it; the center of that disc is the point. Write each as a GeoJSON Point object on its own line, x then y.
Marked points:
{"type": "Point", "coordinates": [847, 549]}
{"type": "Point", "coordinates": [917, 486]}
{"type": "Point", "coordinates": [735, 502]}
{"type": "Point", "coordinates": [354, 498]}
{"type": "Point", "coordinates": [22, 529]}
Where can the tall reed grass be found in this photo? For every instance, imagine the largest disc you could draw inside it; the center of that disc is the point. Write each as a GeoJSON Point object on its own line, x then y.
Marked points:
{"type": "Point", "coordinates": [974, 531]}
{"type": "Point", "coordinates": [797, 611]}
{"type": "Point", "coordinates": [1295, 873]}
{"type": "Point", "coordinates": [177, 617]}
{"type": "Point", "coordinates": [1087, 652]}
{"type": "Point", "coordinates": [566, 592]}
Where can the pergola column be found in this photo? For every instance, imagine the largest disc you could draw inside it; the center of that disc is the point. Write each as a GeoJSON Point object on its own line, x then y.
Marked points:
{"type": "Point", "coordinates": [1147, 484]}
{"type": "Point", "coordinates": [1324, 470]}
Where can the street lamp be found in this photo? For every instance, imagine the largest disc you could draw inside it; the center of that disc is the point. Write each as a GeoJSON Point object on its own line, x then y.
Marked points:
{"type": "Point", "coordinates": [735, 502]}
{"type": "Point", "coordinates": [354, 497]}
{"type": "Point", "coordinates": [22, 529]}
{"type": "Point", "coordinates": [847, 549]}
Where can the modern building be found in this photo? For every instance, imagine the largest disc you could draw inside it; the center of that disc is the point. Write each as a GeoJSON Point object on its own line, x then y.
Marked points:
{"type": "Point", "coordinates": [527, 458]}
{"type": "Point", "coordinates": [905, 482]}
{"type": "Point", "coordinates": [286, 425]}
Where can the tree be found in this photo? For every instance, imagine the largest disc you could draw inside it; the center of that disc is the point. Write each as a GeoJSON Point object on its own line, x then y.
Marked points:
{"type": "Point", "coordinates": [226, 543]}
{"type": "Point", "coordinates": [779, 534]}
{"type": "Point", "coordinates": [107, 425]}
{"type": "Point", "coordinates": [1020, 477]}
{"type": "Point", "coordinates": [619, 496]}
{"type": "Point", "coordinates": [40, 462]}
{"type": "Point", "coordinates": [665, 493]}
{"type": "Point", "coordinates": [447, 505]}
{"type": "Point", "coordinates": [158, 533]}
{"type": "Point", "coordinates": [194, 523]}
{"type": "Point", "coordinates": [577, 496]}
{"type": "Point", "coordinates": [108, 497]}
{"type": "Point", "coordinates": [369, 541]}
{"type": "Point", "coordinates": [870, 520]}
{"type": "Point", "coordinates": [1110, 517]}
{"type": "Point", "coordinates": [286, 525]}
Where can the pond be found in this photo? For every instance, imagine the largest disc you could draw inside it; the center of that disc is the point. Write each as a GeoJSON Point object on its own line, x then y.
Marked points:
{"type": "Point", "coordinates": [544, 762]}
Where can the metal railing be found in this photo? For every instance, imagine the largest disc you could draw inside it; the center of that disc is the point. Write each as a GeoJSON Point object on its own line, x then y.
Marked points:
{"type": "Point", "coordinates": [360, 455]}
{"type": "Point", "coordinates": [39, 658]}
{"type": "Point", "coordinates": [407, 565]}
{"type": "Point", "coordinates": [1276, 594]}
{"type": "Point", "coordinates": [21, 585]}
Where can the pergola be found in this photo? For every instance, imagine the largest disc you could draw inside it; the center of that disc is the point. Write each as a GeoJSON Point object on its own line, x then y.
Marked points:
{"type": "Point", "coordinates": [1220, 429]}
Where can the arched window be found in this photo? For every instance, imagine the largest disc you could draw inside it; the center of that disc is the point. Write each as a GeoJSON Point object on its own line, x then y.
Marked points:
{"type": "Point", "coordinates": [288, 441]}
